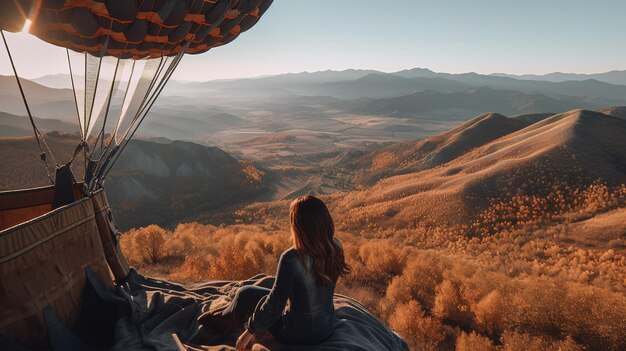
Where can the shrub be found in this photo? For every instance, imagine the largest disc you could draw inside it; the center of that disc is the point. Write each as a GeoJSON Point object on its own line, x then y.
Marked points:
{"type": "Point", "coordinates": [421, 331]}
{"type": "Point", "coordinates": [377, 262]}
{"type": "Point", "coordinates": [418, 281]}
{"type": "Point", "coordinates": [450, 305]}
{"type": "Point", "coordinates": [144, 245]}
{"type": "Point", "coordinates": [489, 314]}
{"type": "Point", "coordinates": [193, 267]}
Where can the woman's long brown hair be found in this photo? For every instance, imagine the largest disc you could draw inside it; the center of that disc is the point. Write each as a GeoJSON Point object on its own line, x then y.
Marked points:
{"type": "Point", "coordinates": [313, 232]}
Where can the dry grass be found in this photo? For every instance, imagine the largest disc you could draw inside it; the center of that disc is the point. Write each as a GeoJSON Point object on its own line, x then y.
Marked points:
{"type": "Point", "coordinates": [512, 279]}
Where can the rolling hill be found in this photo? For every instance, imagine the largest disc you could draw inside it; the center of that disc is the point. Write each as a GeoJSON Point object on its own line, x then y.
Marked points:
{"type": "Point", "coordinates": [19, 126]}
{"type": "Point", "coordinates": [165, 183]}
{"type": "Point", "coordinates": [44, 101]}
{"type": "Point", "coordinates": [152, 182]}
{"type": "Point", "coordinates": [575, 149]}
{"type": "Point", "coordinates": [368, 167]}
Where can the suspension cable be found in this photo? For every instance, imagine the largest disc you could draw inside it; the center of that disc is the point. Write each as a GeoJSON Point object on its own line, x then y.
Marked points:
{"type": "Point", "coordinates": [105, 170]}
{"type": "Point", "coordinates": [95, 88]}
{"type": "Point", "coordinates": [106, 113]}
{"type": "Point", "coordinates": [38, 136]}
{"type": "Point", "coordinates": [110, 152]}
{"type": "Point", "coordinates": [69, 63]}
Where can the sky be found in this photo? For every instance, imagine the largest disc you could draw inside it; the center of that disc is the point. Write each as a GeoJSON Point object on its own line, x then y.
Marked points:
{"type": "Point", "coordinates": [484, 36]}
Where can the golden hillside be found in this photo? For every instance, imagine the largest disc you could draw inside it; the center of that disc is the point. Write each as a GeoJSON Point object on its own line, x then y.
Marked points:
{"type": "Point", "coordinates": [517, 244]}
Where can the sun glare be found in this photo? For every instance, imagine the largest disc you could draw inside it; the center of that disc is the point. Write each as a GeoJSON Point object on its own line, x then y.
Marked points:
{"type": "Point", "coordinates": [26, 26]}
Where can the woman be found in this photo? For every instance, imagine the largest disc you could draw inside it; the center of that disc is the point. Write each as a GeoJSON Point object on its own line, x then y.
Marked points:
{"type": "Point", "coordinates": [306, 277]}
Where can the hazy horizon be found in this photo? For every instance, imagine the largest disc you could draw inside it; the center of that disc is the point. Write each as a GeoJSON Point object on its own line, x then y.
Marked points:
{"type": "Point", "coordinates": [174, 78]}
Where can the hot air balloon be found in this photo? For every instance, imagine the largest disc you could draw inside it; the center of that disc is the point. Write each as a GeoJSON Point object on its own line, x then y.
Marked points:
{"type": "Point", "coordinates": [120, 54]}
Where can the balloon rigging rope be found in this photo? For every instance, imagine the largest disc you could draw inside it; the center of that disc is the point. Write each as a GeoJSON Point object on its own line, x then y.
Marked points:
{"type": "Point", "coordinates": [120, 116]}
{"type": "Point", "coordinates": [38, 136]}
{"type": "Point", "coordinates": [110, 152]}
{"type": "Point", "coordinates": [93, 98]}
{"type": "Point", "coordinates": [69, 63]}
{"type": "Point", "coordinates": [144, 111]}
{"type": "Point", "coordinates": [149, 90]}
{"type": "Point", "coordinates": [100, 137]}
{"type": "Point", "coordinates": [95, 89]}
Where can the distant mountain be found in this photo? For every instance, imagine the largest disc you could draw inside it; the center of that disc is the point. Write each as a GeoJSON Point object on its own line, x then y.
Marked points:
{"type": "Point", "coordinates": [64, 81]}
{"type": "Point", "coordinates": [575, 148]}
{"type": "Point", "coordinates": [419, 73]}
{"type": "Point", "coordinates": [349, 84]}
{"type": "Point", "coordinates": [613, 77]}
{"type": "Point", "coordinates": [268, 86]}
{"type": "Point", "coordinates": [368, 167]}
{"type": "Point", "coordinates": [600, 85]}
{"type": "Point", "coordinates": [43, 101]}
{"type": "Point", "coordinates": [320, 76]}
{"type": "Point", "coordinates": [386, 85]}
{"type": "Point", "coordinates": [473, 101]}
{"type": "Point", "coordinates": [585, 88]}
{"type": "Point", "coordinates": [180, 126]}
{"type": "Point", "coordinates": [56, 81]}
{"type": "Point", "coordinates": [19, 126]}
{"type": "Point", "coordinates": [354, 84]}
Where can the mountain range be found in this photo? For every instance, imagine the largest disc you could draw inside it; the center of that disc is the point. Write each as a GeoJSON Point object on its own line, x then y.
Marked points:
{"type": "Point", "coordinates": [612, 77]}
{"type": "Point", "coordinates": [355, 84]}
{"type": "Point", "coordinates": [220, 112]}
{"type": "Point", "coordinates": [472, 101]}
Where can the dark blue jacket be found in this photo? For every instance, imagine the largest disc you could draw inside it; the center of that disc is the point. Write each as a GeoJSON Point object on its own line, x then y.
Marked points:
{"type": "Point", "coordinates": [309, 317]}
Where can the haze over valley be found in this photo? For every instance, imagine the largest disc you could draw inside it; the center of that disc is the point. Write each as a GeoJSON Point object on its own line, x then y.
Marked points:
{"type": "Point", "coordinates": [299, 120]}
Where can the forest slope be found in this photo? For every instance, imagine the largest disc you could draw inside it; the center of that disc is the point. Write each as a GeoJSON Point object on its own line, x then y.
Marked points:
{"type": "Point", "coordinates": [151, 183]}
{"type": "Point", "coordinates": [573, 149]}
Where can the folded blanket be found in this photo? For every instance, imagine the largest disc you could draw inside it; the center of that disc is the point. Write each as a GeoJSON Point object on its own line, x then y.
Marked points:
{"type": "Point", "coordinates": [163, 316]}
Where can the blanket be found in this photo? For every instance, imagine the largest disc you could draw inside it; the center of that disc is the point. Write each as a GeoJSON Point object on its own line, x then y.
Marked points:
{"type": "Point", "coordinates": [153, 314]}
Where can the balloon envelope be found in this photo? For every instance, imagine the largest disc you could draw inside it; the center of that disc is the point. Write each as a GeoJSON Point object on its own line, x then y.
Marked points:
{"type": "Point", "coordinates": [134, 28]}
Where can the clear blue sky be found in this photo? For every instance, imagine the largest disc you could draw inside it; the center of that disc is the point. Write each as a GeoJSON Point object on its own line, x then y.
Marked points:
{"type": "Point", "coordinates": [485, 36]}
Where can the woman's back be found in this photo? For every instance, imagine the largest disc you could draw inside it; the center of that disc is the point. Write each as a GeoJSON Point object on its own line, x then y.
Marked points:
{"type": "Point", "coordinates": [311, 313]}
{"type": "Point", "coordinates": [309, 316]}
